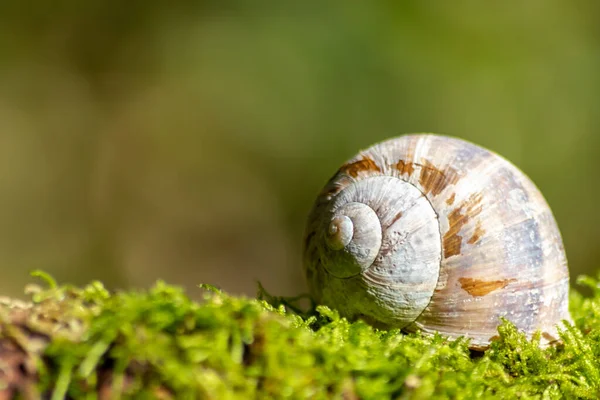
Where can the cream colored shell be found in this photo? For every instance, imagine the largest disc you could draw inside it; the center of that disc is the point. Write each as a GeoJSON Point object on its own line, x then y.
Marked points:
{"type": "Point", "coordinates": [434, 233]}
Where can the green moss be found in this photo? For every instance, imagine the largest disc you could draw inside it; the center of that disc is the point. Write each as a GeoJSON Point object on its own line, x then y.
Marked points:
{"type": "Point", "coordinates": [148, 344]}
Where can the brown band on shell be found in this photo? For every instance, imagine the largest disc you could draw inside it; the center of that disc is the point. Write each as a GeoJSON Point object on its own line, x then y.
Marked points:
{"type": "Point", "coordinates": [396, 218]}
{"type": "Point", "coordinates": [456, 220]}
{"type": "Point", "coordinates": [477, 287]}
{"type": "Point", "coordinates": [452, 240]}
{"type": "Point", "coordinates": [405, 167]}
{"type": "Point", "coordinates": [329, 191]}
{"type": "Point", "coordinates": [365, 165]}
{"type": "Point", "coordinates": [479, 232]}
{"type": "Point", "coordinates": [434, 180]}
{"type": "Point", "coordinates": [450, 200]}
{"type": "Point", "coordinates": [473, 205]}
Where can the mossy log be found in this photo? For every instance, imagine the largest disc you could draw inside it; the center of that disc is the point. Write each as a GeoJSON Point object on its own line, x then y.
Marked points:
{"type": "Point", "coordinates": [87, 343]}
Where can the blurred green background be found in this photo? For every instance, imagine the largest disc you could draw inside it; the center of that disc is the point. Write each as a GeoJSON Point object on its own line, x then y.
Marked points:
{"type": "Point", "coordinates": [187, 140]}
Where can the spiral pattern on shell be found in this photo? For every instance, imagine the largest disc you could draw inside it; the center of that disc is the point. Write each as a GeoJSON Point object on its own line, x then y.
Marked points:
{"type": "Point", "coordinates": [434, 233]}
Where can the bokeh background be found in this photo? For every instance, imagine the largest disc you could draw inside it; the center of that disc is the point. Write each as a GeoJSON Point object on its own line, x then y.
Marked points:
{"type": "Point", "coordinates": [186, 141]}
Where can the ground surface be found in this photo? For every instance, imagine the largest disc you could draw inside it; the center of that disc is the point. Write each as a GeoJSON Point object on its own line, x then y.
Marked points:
{"type": "Point", "coordinates": [76, 343]}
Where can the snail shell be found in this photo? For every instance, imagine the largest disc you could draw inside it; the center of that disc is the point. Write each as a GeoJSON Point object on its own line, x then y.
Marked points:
{"type": "Point", "coordinates": [432, 233]}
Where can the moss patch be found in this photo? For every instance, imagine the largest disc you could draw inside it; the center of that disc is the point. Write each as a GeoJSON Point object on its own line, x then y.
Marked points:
{"type": "Point", "coordinates": [88, 343]}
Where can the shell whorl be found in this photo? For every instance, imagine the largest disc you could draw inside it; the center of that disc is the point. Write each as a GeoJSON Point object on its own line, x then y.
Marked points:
{"type": "Point", "coordinates": [340, 232]}
{"type": "Point", "coordinates": [434, 233]}
{"type": "Point", "coordinates": [383, 231]}
{"type": "Point", "coordinates": [353, 240]}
